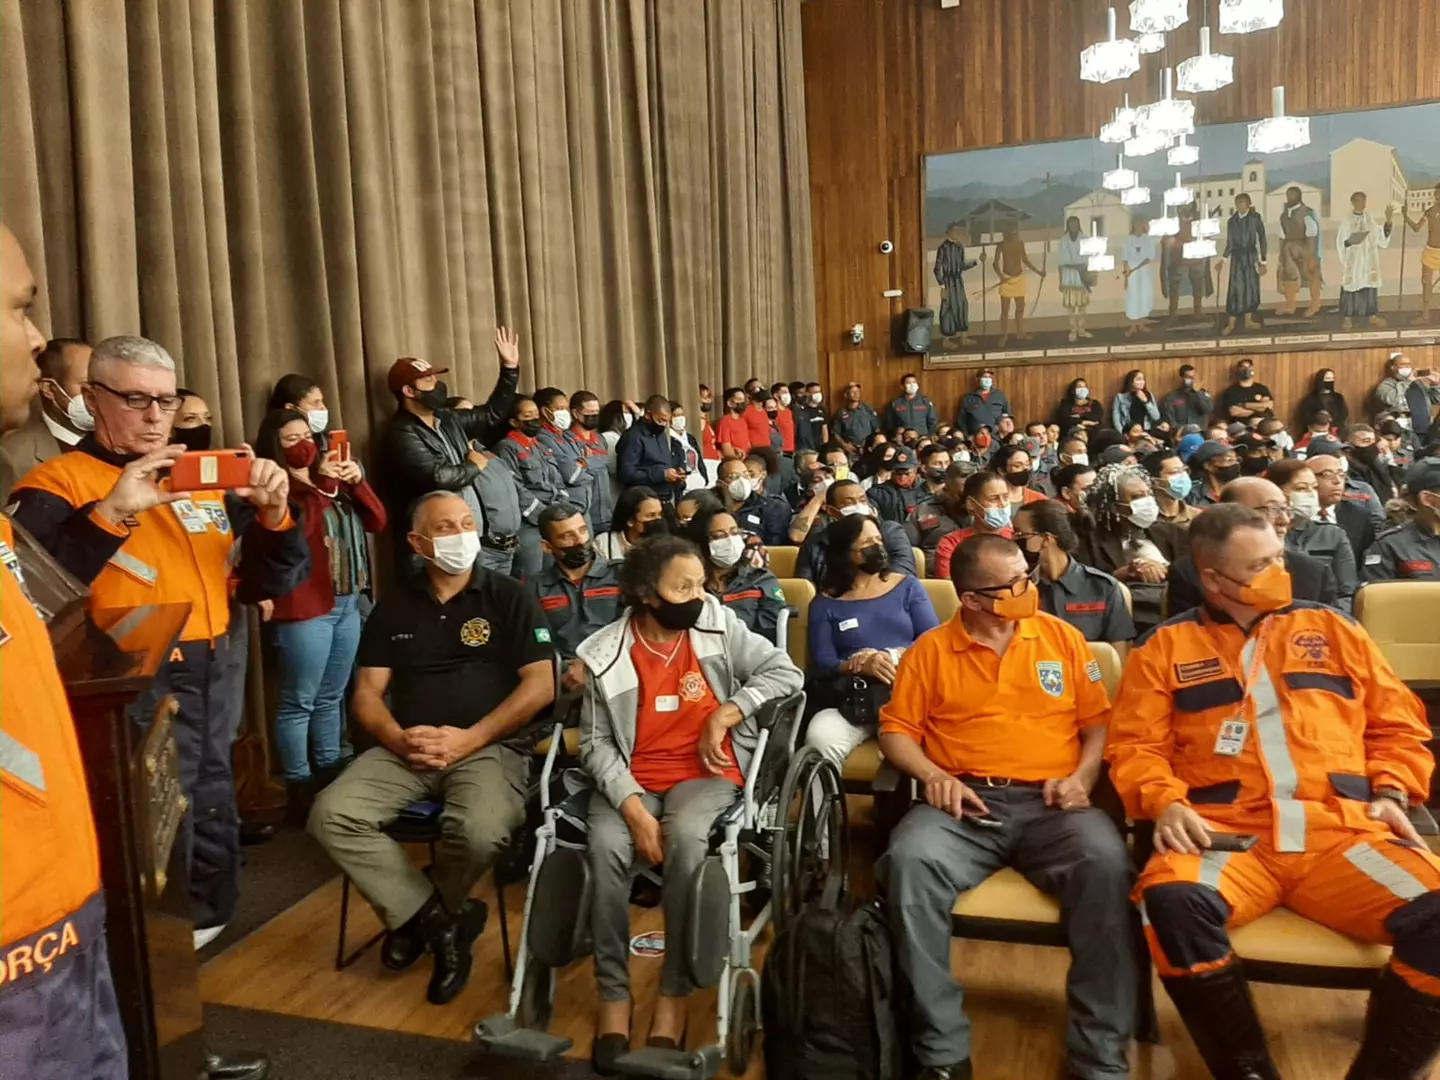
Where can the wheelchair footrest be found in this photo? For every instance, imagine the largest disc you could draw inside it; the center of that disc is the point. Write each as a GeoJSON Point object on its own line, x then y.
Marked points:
{"type": "Point", "coordinates": [501, 1035]}
{"type": "Point", "coordinates": [671, 1064]}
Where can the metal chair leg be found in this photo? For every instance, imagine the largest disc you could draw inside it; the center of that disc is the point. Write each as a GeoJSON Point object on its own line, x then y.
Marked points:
{"type": "Point", "coordinates": [504, 930]}
{"type": "Point", "coordinates": [341, 960]}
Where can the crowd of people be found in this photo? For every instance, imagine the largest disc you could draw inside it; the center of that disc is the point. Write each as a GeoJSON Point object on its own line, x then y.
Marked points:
{"type": "Point", "coordinates": [559, 557]}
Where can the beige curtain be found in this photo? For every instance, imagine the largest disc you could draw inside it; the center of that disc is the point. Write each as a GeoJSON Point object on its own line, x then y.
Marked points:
{"type": "Point", "coordinates": [324, 185]}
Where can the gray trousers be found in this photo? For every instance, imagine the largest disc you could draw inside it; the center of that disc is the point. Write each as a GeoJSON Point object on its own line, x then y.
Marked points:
{"type": "Point", "coordinates": [686, 813]}
{"type": "Point", "coordinates": [529, 556]}
{"type": "Point", "coordinates": [1078, 857]}
{"type": "Point", "coordinates": [499, 561]}
{"type": "Point", "coordinates": [484, 797]}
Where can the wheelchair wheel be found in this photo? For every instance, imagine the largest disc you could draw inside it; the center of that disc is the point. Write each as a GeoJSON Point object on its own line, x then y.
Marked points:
{"type": "Point", "coordinates": [740, 1041]}
{"type": "Point", "coordinates": [811, 833]}
{"type": "Point", "coordinates": [535, 997]}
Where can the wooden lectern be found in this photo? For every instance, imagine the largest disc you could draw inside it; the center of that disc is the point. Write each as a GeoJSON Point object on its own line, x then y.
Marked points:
{"type": "Point", "coordinates": [107, 659]}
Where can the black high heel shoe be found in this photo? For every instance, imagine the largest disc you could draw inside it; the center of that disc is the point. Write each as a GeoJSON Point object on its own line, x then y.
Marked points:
{"type": "Point", "coordinates": [607, 1050]}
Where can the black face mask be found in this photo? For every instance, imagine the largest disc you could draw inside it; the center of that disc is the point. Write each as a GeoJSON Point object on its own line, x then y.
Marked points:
{"type": "Point", "coordinates": [531, 428]}
{"type": "Point", "coordinates": [935, 475]}
{"type": "Point", "coordinates": [674, 616]}
{"type": "Point", "coordinates": [1255, 465]}
{"type": "Point", "coordinates": [1019, 479]}
{"type": "Point", "coordinates": [874, 559]}
{"type": "Point", "coordinates": [705, 406]}
{"type": "Point", "coordinates": [1366, 455]}
{"type": "Point", "coordinates": [193, 439]}
{"type": "Point", "coordinates": [1032, 558]}
{"type": "Point", "coordinates": [772, 413]}
{"type": "Point", "coordinates": [738, 408]}
{"type": "Point", "coordinates": [1228, 473]}
{"type": "Point", "coordinates": [658, 527]}
{"type": "Point", "coordinates": [1328, 384]}
{"type": "Point", "coordinates": [575, 556]}
{"type": "Point", "coordinates": [1246, 373]}
{"type": "Point", "coordinates": [589, 421]}
{"type": "Point", "coordinates": [434, 399]}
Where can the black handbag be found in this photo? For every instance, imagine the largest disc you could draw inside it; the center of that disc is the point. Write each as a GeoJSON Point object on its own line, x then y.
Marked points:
{"type": "Point", "coordinates": [860, 698]}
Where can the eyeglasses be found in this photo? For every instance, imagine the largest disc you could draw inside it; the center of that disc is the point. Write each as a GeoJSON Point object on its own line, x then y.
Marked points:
{"type": "Point", "coordinates": [1329, 474]}
{"type": "Point", "coordinates": [140, 402]}
{"type": "Point", "coordinates": [1013, 588]}
{"type": "Point", "coordinates": [1277, 513]}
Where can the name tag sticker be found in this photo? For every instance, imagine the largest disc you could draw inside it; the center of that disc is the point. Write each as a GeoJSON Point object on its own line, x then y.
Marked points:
{"type": "Point", "coordinates": [1372, 560]}
{"type": "Point", "coordinates": [1196, 670]}
{"type": "Point", "coordinates": [754, 519]}
{"type": "Point", "coordinates": [667, 703]}
{"type": "Point", "coordinates": [1231, 740]}
{"type": "Point", "coordinates": [848, 624]}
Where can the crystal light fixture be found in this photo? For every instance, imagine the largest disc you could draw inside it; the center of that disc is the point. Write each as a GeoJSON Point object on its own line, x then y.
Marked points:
{"type": "Point", "coordinates": [1094, 244]}
{"type": "Point", "coordinates": [1167, 117]}
{"type": "Point", "coordinates": [1145, 145]}
{"type": "Point", "coordinates": [1179, 195]}
{"type": "Point", "coordinates": [1199, 249]}
{"type": "Point", "coordinates": [1150, 43]}
{"type": "Point", "coordinates": [1122, 126]}
{"type": "Point", "coordinates": [1280, 132]}
{"type": "Point", "coordinates": [1120, 178]}
{"type": "Point", "coordinates": [1247, 16]}
{"type": "Point", "coordinates": [1205, 225]}
{"type": "Point", "coordinates": [1098, 264]}
{"type": "Point", "coordinates": [1114, 58]}
{"type": "Point", "coordinates": [1183, 153]}
{"type": "Point", "coordinates": [1135, 196]}
{"type": "Point", "coordinates": [1157, 16]}
{"type": "Point", "coordinates": [1205, 71]}
{"type": "Point", "coordinates": [1165, 225]}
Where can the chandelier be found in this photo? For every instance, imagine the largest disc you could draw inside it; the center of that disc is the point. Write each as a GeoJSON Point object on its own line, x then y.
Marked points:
{"type": "Point", "coordinates": [1165, 225]}
{"type": "Point", "coordinates": [1205, 71]}
{"type": "Point", "coordinates": [1280, 132]}
{"type": "Point", "coordinates": [1199, 249]}
{"type": "Point", "coordinates": [1119, 178]}
{"type": "Point", "coordinates": [1150, 43]}
{"type": "Point", "coordinates": [1145, 145]}
{"type": "Point", "coordinates": [1167, 117]}
{"type": "Point", "coordinates": [1247, 16]}
{"type": "Point", "coordinates": [1135, 196]}
{"type": "Point", "coordinates": [1094, 244]}
{"type": "Point", "coordinates": [1157, 16]}
{"type": "Point", "coordinates": [1205, 225]}
{"type": "Point", "coordinates": [1098, 264]}
{"type": "Point", "coordinates": [1183, 153]}
{"type": "Point", "coordinates": [1179, 195]}
{"type": "Point", "coordinates": [1112, 59]}
{"type": "Point", "coordinates": [1122, 125]}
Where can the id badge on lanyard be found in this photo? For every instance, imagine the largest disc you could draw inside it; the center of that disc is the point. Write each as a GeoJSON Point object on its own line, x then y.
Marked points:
{"type": "Point", "coordinates": [1235, 732]}
{"type": "Point", "coordinates": [11, 561]}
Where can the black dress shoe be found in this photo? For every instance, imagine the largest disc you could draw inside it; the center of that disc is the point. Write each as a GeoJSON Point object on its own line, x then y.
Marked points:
{"type": "Point", "coordinates": [608, 1049]}
{"type": "Point", "coordinates": [255, 832]}
{"type": "Point", "coordinates": [402, 946]}
{"type": "Point", "coordinates": [449, 940]}
{"type": "Point", "coordinates": [242, 1066]}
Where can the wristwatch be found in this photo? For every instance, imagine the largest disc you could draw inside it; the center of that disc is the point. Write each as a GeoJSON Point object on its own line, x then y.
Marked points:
{"type": "Point", "coordinates": [1395, 795]}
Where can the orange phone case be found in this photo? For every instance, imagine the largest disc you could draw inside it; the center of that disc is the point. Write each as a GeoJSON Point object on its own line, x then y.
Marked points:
{"type": "Point", "coordinates": [339, 445]}
{"type": "Point", "coordinates": [205, 470]}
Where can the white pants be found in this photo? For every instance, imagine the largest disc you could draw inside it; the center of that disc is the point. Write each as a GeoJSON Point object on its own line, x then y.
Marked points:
{"type": "Point", "coordinates": [835, 737]}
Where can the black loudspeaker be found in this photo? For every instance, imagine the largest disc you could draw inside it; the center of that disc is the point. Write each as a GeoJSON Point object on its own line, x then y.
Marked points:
{"type": "Point", "coordinates": [916, 329]}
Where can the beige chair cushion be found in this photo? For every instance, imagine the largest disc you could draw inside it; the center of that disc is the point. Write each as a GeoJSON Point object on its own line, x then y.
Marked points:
{"type": "Point", "coordinates": [863, 763]}
{"type": "Point", "coordinates": [1006, 895]}
{"type": "Point", "coordinates": [1283, 937]}
{"type": "Point", "coordinates": [783, 560]}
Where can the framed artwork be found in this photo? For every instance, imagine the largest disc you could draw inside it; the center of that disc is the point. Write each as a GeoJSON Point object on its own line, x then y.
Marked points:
{"type": "Point", "coordinates": [1334, 244]}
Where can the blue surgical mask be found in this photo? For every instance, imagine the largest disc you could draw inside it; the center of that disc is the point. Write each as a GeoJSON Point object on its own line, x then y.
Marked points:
{"type": "Point", "coordinates": [1081, 393]}
{"type": "Point", "coordinates": [986, 382]}
{"type": "Point", "coordinates": [997, 517]}
{"type": "Point", "coordinates": [1180, 485]}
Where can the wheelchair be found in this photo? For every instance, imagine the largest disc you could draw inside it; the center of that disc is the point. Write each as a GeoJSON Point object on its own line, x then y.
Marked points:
{"type": "Point", "coordinates": [767, 851]}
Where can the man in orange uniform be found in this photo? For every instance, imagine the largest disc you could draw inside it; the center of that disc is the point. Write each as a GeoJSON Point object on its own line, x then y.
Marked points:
{"type": "Point", "coordinates": [1277, 719]}
{"type": "Point", "coordinates": [58, 1015]}
{"type": "Point", "coordinates": [1000, 716]}
{"type": "Point", "coordinates": [102, 512]}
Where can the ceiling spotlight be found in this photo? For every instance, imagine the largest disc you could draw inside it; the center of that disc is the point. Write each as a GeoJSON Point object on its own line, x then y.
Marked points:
{"type": "Point", "coordinates": [1119, 178]}
{"type": "Point", "coordinates": [1179, 195]}
{"type": "Point", "coordinates": [1121, 127]}
{"type": "Point", "coordinates": [1247, 16]}
{"type": "Point", "coordinates": [1114, 58]}
{"type": "Point", "coordinates": [1135, 196]}
{"type": "Point", "coordinates": [1206, 225]}
{"type": "Point", "coordinates": [1183, 153]}
{"type": "Point", "coordinates": [1167, 117]}
{"type": "Point", "coordinates": [1165, 225]}
{"type": "Point", "coordinates": [1094, 244]}
{"type": "Point", "coordinates": [1280, 132]}
{"type": "Point", "coordinates": [1157, 16]}
{"type": "Point", "coordinates": [1199, 249]}
{"type": "Point", "coordinates": [1206, 71]}
{"type": "Point", "coordinates": [1098, 264]}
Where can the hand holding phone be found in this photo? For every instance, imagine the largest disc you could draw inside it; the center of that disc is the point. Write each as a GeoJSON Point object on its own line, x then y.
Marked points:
{"type": "Point", "coordinates": [1224, 841]}
{"type": "Point", "coordinates": [339, 446]}
{"type": "Point", "coordinates": [211, 470]}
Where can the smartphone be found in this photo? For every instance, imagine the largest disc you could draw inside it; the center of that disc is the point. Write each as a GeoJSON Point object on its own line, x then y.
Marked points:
{"type": "Point", "coordinates": [842, 472]}
{"type": "Point", "coordinates": [339, 446]}
{"type": "Point", "coordinates": [204, 470]}
{"type": "Point", "coordinates": [1223, 841]}
{"type": "Point", "coordinates": [989, 821]}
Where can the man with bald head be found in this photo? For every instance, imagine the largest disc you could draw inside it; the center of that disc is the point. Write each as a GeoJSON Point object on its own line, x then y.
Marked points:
{"type": "Point", "coordinates": [454, 663]}
{"type": "Point", "coordinates": [1311, 578]}
{"type": "Point", "coordinates": [1336, 507]}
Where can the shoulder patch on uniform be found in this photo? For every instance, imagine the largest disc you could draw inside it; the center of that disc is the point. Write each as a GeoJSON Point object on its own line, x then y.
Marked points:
{"type": "Point", "coordinates": [1052, 676]}
{"type": "Point", "coordinates": [1092, 671]}
{"type": "Point", "coordinates": [542, 635]}
{"type": "Point", "coordinates": [1196, 670]}
{"type": "Point", "coordinates": [778, 593]}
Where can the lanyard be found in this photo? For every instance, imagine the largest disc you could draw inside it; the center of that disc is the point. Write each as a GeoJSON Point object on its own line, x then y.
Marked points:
{"type": "Point", "coordinates": [1247, 677]}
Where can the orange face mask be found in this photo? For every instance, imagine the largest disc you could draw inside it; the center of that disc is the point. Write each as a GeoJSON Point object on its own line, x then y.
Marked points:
{"type": "Point", "coordinates": [1018, 607]}
{"type": "Point", "coordinates": [1269, 590]}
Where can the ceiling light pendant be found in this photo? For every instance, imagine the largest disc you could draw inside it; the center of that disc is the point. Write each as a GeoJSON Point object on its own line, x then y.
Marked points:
{"type": "Point", "coordinates": [1199, 249]}
{"type": "Point", "coordinates": [1145, 145]}
{"type": "Point", "coordinates": [1094, 244]}
{"type": "Point", "coordinates": [1280, 132]}
{"type": "Point", "coordinates": [1119, 178]}
{"type": "Point", "coordinates": [1205, 225]}
{"type": "Point", "coordinates": [1099, 264]}
{"type": "Point", "coordinates": [1121, 126]}
{"type": "Point", "coordinates": [1135, 196]}
{"type": "Point", "coordinates": [1112, 59]}
{"type": "Point", "coordinates": [1179, 195]}
{"type": "Point", "coordinates": [1167, 117]}
{"type": "Point", "coordinates": [1165, 225]}
{"type": "Point", "coordinates": [1183, 153]}
{"type": "Point", "coordinates": [1247, 16]}
{"type": "Point", "coordinates": [1157, 16]}
{"type": "Point", "coordinates": [1150, 43]}
{"type": "Point", "coordinates": [1205, 71]}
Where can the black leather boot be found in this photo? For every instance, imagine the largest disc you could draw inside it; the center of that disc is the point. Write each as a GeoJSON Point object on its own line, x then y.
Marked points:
{"type": "Point", "coordinates": [1402, 1033]}
{"type": "Point", "coordinates": [449, 940]}
{"type": "Point", "coordinates": [1220, 1016]}
{"type": "Point", "coordinates": [241, 1066]}
{"type": "Point", "coordinates": [406, 944]}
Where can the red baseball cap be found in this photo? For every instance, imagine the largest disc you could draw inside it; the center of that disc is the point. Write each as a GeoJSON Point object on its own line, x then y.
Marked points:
{"type": "Point", "coordinates": [408, 369]}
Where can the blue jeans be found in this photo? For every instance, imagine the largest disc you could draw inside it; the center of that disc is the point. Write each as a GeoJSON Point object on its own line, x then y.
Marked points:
{"type": "Point", "coordinates": [316, 657]}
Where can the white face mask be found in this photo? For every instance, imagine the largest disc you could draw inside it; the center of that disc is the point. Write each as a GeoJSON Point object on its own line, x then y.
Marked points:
{"type": "Point", "coordinates": [1079, 459]}
{"type": "Point", "coordinates": [456, 554]}
{"type": "Point", "coordinates": [962, 455]}
{"type": "Point", "coordinates": [1283, 440]}
{"type": "Point", "coordinates": [319, 420]}
{"type": "Point", "coordinates": [562, 419]}
{"type": "Point", "coordinates": [785, 398]}
{"type": "Point", "coordinates": [727, 550]}
{"type": "Point", "coordinates": [816, 399]}
{"type": "Point", "coordinates": [78, 413]}
{"type": "Point", "coordinates": [862, 508]}
{"type": "Point", "coordinates": [677, 425]}
{"type": "Point", "coordinates": [1305, 503]}
{"type": "Point", "coordinates": [1403, 372]}
{"type": "Point", "coordinates": [627, 419]}
{"type": "Point", "coordinates": [911, 389]}
{"type": "Point", "coordinates": [1144, 512]}
{"type": "Point", "coordinates": [739, 488]}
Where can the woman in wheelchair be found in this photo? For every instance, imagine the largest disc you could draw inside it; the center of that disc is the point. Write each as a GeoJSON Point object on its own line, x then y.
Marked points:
{"type": "Point", "coordinates": [866, 616]}
{"type": "Point", "coordinates": [668, 729]}
{"type": "Point", "coordinates": [752, 593]}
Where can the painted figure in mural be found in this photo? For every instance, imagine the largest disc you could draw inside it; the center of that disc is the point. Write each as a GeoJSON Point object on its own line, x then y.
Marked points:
{"type": "Point", "coordinates": [1142, 251]}
{"type": "Point", "coordinates": [950, 267]}
{"type": "Point", "coordinates": [1011, 262]}
{"type": "Point", "coordinates": [1074, 279]}
{"type": "Point", "coordinates": [1359, 240]}
{"type": "Point", "coordinates": [1248, 249]}
{"type": "Point", "coordinates": [1430, 257]}
{"type": "Point", "coordinates": [1180, 276]}
{"type": "Point", "coordinates": [1299, 254]}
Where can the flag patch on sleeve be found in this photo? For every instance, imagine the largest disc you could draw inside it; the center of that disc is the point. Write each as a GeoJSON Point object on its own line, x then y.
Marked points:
{"type": "Point", "coordinates": [1092, 671]}
{"type": "Point", "coordinates": [542, 635]}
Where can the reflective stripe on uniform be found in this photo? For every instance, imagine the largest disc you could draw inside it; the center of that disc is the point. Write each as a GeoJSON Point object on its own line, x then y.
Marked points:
{"type": "Point", "coordinates": [1275, 749]}
{"type": "Point", "coordinates": [1382, 871]}
{"type": "Point", "coordinates": [1212, 866]}
{"type": "Point", "coordinates": [131, 565]}
{"type": "Point", "coordinates": [20, 761]}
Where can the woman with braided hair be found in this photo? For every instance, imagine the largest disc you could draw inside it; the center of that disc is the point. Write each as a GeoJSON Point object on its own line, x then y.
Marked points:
{"type": "Point", "coordinates": [1124, 536]}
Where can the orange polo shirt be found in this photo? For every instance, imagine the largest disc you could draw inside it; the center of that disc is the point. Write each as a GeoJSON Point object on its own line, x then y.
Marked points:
{"type": "Point", "coordinates": [1018, 716]}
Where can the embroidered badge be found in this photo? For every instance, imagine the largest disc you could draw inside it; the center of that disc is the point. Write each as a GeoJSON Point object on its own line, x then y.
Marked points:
{"type": "Point", "coordinates": [1310, 645]}
{"type": "Point", "coordinates": [475, 632]}
{"type": "Point", "coordinates": [541, 634]}
{"type": "Point", "coordinates": [1092, 671]}
{"type": "Point", "coordinates": [692, 686]}
{"type": "Point", "coordinates": [1052, 676]}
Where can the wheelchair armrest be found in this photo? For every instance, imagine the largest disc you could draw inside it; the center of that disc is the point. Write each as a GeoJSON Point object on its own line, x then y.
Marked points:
{"type": "Point", "coordinates": [772, 712]}
{"type": "Point", "coordinates": [1423, 820]}
{"type": "Point", "coordinates": [888, 779]}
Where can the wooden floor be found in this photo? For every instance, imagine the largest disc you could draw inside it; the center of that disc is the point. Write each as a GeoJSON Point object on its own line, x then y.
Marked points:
{"type": "Point", "coordinates": [1015, 996]}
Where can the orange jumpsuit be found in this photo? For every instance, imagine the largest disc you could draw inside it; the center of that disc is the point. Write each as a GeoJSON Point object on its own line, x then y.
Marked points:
{"type": "Point", "coordinates": [58, 1014]}
{"type": "Point", "coordinates": [1294, 761]}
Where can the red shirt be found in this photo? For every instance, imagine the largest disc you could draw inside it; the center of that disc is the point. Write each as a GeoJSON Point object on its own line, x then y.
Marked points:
{"type": "Point", "coordinates": [757, 421]}
{"type": "Point", "coordinates": [735, 431]}
{"type": "Point", "coordinates": [675, 702]}
{"type": "Point", "coordinates": [708, 446]}
{"type": "Point", "coordinates": [950, 541]}
{"type": "Point", "coordinates": [785, 421]}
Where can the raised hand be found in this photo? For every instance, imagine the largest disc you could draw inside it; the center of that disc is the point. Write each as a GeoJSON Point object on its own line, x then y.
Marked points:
{"type": "Point", "coordinates": [507, 344]}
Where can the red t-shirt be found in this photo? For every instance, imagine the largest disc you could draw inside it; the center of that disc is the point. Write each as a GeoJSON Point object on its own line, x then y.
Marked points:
{"type": "Point", "coordinates": [785, 421]}
{"type": "Point", "coordinates": [708, 445]}
{"type": "Point", "coordinates": [950, 541]}
{"type": "Point", "coordinates": [735, 431]}
{"type": "Point", "coordinates": [757, 420]}
{"type": "Point", "coordinates": [675, 702]}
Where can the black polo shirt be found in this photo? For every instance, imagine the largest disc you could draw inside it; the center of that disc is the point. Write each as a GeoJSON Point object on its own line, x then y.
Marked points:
{"type": "Point", "coordinates": [452, 663]}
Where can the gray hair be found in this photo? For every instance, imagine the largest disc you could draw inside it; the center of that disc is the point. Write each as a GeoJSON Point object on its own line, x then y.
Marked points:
{"type": "Point", "coordinates": [1103, 499]}
{"type": "Point", "coordinates": [126, 349]}
{"type": "Point", "coordinates": [418, 506]}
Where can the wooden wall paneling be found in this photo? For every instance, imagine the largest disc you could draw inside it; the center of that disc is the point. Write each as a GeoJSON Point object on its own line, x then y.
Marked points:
{"type": "Point", "coordinates": [889, 81]}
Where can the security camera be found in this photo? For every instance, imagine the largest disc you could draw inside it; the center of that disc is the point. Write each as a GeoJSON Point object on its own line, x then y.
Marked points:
{"type": "Point", "coordinates": [886, 247]}
{"type": "Point", "coordinates": [857, 333]}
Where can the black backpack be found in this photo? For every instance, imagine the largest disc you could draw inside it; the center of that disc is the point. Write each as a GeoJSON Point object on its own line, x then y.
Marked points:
{"type": "Point", "coordinates": [831, 994]}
